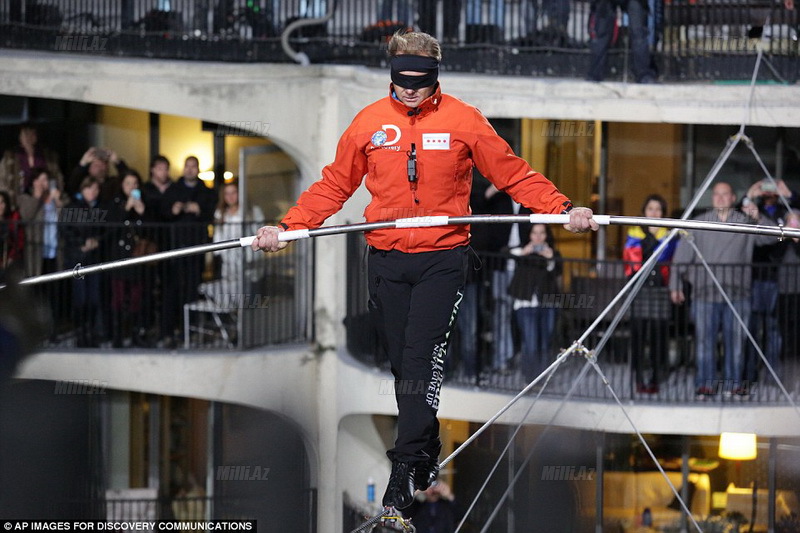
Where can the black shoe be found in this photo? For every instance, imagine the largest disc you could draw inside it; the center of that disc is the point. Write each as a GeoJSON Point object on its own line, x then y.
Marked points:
{"type": "Point", "coordinates": [425, 474]}
{"type": "Point", "coordinates": [400, 490]}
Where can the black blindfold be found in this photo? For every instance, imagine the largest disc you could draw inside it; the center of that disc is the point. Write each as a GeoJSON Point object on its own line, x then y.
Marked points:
{"type": "Point", "coordinates": [428, 66]}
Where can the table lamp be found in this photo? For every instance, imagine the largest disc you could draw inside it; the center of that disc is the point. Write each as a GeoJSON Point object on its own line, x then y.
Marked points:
{"type": "Point", "coordinates": [738, 447]}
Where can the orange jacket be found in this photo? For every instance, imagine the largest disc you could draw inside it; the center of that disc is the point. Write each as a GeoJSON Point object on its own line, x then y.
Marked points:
{"type": "Point", "coordinates": [450, 136]}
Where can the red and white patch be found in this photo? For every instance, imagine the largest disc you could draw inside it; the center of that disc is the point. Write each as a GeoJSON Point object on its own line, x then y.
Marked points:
{"type": "Point", "coordinates": [435, 141]}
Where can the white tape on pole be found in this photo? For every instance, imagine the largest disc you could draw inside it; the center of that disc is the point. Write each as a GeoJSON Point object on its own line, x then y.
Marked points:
{"type": "Point", "coordinates": [548, 219]}
{"type": "Point", "coordinates": [603, 220]}
{"type": "Point", "coordinates": [293, 235]}
{"type": "Point", "coordinates": [422, 222]}
{"type": "Point", "coordinates": [246, 241]}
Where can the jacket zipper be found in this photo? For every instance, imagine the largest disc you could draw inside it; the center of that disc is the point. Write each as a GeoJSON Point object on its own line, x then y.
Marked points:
{"type": "Point", "coordinates": [413, 185]}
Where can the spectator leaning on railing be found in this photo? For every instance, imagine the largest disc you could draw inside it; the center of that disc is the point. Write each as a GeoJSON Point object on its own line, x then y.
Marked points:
{"type": "Point", "coordinates": [729, 255]}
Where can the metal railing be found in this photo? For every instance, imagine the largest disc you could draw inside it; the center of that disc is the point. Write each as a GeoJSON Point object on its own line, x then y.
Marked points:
{"type": "Point", "coordinates": [690, 39]}
{"type": "Point", "coordinates": [491, 357]}
{"type": "Point", "coordinates": [234, 299]}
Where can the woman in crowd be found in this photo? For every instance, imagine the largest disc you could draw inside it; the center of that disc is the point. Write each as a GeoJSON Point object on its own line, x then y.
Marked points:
{"type": "Point", "coordinates": [537, 278]}
{"type": "Point", "coordinates": [651, 309]}
{"type": "Point", "coordinates": [11, 234]}
{"type": "Point", "coordinates": [125, 215]}
{"type": "Point", "coordinates": [20, 164]}
{"type": "Point", "coordinates": [230, 222]}
{"type": "Point", "coordinates": [38, 207]}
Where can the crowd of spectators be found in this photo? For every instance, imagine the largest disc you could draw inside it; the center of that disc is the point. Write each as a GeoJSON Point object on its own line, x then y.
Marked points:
{"type": "Point", "coordinates": [104, 211]}
{"type": "Point", "coordinates": [515, 305]}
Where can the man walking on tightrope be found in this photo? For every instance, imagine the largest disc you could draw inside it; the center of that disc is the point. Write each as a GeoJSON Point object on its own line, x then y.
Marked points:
{"type": "Point", "coordinates": [416, 148]}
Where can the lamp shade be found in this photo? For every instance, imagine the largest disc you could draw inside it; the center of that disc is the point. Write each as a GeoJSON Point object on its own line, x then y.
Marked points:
{"type": "Point", "coordinates": [737, 446]}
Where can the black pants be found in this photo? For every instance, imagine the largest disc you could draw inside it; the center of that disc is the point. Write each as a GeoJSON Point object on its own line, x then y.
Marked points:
{"type": "Point", "coordinates": [605, 14]}
{"type": "Point", "coordinates": [451, 11]}
{"type": "Point", "coordinates": [414, 299]}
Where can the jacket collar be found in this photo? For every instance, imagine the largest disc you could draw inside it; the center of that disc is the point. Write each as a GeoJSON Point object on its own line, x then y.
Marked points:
{"type": "Point", "coordinates": [426, 107]}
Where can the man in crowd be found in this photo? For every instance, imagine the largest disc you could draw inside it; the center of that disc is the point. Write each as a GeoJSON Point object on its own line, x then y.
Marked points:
{"type": "Point", "coordinates": [729, 256]}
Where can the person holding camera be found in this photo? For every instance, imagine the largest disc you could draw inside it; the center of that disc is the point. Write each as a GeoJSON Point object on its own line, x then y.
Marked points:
{"type": "Point", "coordinates": [127, 286]}
{"type": "Point", "coordinates": [95, 162]}
{"type": "Point", "coordinates": [764, 199]}
{"type": "Point", "coordinates": [536, 281]}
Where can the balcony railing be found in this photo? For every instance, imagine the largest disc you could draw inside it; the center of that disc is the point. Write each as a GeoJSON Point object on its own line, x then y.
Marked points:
{"type": "Point", "coordinates": [690, 39]}
{"type": "Point", "coordinates": [234, 299]}
{"type": "Point", "coordinates": [588, 287]}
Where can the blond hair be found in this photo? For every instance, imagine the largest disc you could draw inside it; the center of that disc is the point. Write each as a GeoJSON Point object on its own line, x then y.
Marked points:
{"type": "Point", "coordinates": [415, 43]}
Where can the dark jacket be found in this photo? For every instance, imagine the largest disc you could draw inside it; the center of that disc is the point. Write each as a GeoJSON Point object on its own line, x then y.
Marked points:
{"type": "Point", "coordinates": [154, 227]}
{"type": "Point", "coordinates": [189, 228]}
{"type": "Point", "coordinates": [532, 277]}
{"type": "Point", "coordinates": [124, 229]}
{"type": "Point", "coordinates": [80, 228]}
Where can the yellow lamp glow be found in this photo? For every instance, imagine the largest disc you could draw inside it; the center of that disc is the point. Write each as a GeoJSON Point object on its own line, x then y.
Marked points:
{"type": "Point", "coordinates": [738, 446]}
